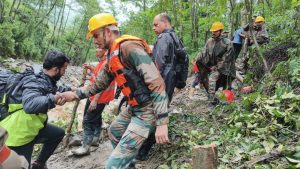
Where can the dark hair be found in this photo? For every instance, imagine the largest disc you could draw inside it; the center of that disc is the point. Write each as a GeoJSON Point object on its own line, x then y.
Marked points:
{"type": "Point", "coordinates": [55, 59]}
{"type": "Point", "coordinates": [165, 17]}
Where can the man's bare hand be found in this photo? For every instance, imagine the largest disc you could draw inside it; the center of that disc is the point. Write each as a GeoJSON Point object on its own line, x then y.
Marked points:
{"type": "Point", "coordinates": [59, 99]}
{"type": "Point", "coordinates": [161, 134]}
{"type": "Point", "coordinates": [69, 96]}
{"type": "Point", "coordinates": [93, 105]}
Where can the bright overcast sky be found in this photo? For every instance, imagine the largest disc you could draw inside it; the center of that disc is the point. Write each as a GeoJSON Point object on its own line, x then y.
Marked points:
{"type": "Point", "coordinates": [121, 16]}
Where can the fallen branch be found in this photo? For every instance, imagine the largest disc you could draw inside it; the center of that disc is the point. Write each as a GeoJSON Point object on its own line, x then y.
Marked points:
{"type": "Point", "coordinates": [271, 155]}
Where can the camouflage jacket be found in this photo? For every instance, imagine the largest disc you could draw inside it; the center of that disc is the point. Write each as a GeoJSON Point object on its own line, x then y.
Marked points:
{"type": "Point", "coordinates": [219, 53]}
{"type": "Point", "coordinates": [261, 35]}
{"type": "Point", "coordinates": [133, 56]}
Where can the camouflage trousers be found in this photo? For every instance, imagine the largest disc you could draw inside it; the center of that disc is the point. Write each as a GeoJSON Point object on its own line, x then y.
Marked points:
{"type": "Point", "coordinates": [241, 64]}
{"type": "Point", "coordinates": [128, 132]}
{"type": "Point", "coordinates": [212, 82]}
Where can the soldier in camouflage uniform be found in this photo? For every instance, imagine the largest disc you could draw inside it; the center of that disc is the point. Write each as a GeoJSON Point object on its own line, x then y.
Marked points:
{"type": "Point", "coordinates": [218, 57]}
{"type": "Point", "coordinates": [261, 36]}
{"type": "Point", "coordinates": [130, 129]}
{"type": "Point", "coordinates": [260, 31]}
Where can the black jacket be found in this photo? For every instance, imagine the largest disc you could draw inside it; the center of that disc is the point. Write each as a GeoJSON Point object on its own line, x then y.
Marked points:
{"type": "Point", "coordinates": [36, 93]}
{"type": "Point", "coordinates": [164, 55]}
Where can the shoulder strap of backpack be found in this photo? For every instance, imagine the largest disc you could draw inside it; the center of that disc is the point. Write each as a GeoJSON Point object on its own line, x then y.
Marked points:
{"type": "Point", "coordinates": [175, 42]}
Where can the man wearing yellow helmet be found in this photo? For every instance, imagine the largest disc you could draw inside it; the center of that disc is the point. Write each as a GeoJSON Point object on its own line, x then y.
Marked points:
{"type": "Point", "coordinates": [260, 31]}
{"type": "Point", "coordinates": [132, 68]}
{"type": "Point", "coordinates": [261, 35]}
{"type": "Point", "coordinates": [218, 58]}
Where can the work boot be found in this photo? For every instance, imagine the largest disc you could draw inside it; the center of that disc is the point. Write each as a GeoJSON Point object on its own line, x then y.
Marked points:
{"type": "Point", "coordinates": [86, 143]}
{"type": "Point", "coordinates": [213, 100]}
{"type": "Point", "coordinates": [191, 92]}
{"type": "Point", "coordinates": [38, 165]}
{"type": "Point", "coordinates": [95, 141]}
{"type": "Point", "coordinates": [81, 151]}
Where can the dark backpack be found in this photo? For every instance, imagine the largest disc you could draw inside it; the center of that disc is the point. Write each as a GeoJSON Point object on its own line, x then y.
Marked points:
{"type": "Point", "coordinates": [8, 82]}
{"type": "Point", "coordinates": [181, 62]}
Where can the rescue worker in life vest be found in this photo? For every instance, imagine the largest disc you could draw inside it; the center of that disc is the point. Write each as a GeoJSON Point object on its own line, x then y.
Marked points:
{"type": "Point", "coordinates": [33, 97]}
{"type": "Point", "coordinates": [134, 72]}
{"type": "Point", "coordinates": [8, 158]}
{"type": "Point", "coordinates": [92, 118]}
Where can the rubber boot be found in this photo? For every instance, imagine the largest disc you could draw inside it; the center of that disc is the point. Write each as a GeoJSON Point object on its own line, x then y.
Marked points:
{"type": "Point", "coordinates": [191, 92]}
{"type": "Point", "coordinates": [85, 148]}
{"type": "Point", "coordinates": [81, 151]}
{"type": "Point", "coordinates": [95, 141]}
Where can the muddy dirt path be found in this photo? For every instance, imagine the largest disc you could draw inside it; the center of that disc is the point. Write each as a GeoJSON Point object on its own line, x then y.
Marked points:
{"type": "Point", "coordinates": [97, 158]}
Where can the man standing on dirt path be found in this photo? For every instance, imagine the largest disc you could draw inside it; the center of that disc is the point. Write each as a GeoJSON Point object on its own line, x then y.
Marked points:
{"type": "Point", "coordinates": [173, 74]}
{"type": "Point", "coordinates": [164, 54]}
{"type": "Point", "coordinates": [218, 57]}
{"type": "Point", "coordinates": [34, 95]}
{"type": "Point", "coordinates": [132, 68]}
{"type": "Point", "coordinates": [92, 120]}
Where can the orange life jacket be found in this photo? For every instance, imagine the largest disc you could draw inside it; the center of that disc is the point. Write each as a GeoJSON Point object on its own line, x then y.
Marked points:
{"type": "Point", "coordinates": [108, 94]}
{"type": "Point", "coordinates": [4, 153]}
{"type": "Point", "coordinates": [131, 83]}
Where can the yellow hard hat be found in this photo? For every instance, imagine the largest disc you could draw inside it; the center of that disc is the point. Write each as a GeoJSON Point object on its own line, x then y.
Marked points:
{"type": "Point", "coordinates": [259, 19]}
{"type": "Point", "coordinates": [99, 21]}
{"type": "Point", "coordinates": [217, 26]}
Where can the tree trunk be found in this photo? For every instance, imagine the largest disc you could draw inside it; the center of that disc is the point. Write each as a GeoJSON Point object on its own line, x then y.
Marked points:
{"type": "Point", "coordinates": [181, 28]}
{"type": "Point", "coordinates": [1, 11]}
{"type": "Point", "coordinates": [81, 26]}
{"type": "Point", "coordinates": [244, 19]}
{"type": "Point", "coordinates": [83, 60]}
{"type": "Point", "coordinates": [56, 20]}
{"type": "Point", "coordinates": [47, 14]}
{"type": "Point", "coordinates": [65, 24]}
{"type": "Point", "coordinates": [205, 157]}
{"type": "Point", "coordinates": [144, 5]}
{"type": "Point", "coordinates": [12, 8]}
{"type": "Point", "coordinates": [206, 35]}
{"type": "Point", "coordinates": [174, 5]}
{"type": "Point", "coordinates": [17, 8]}
{"type": "Point", "coordinates": [231, 16]}
{"type": "Point", "coordinates": [194, 16]}
{"type": "Point", "coordinates": [61, 22]}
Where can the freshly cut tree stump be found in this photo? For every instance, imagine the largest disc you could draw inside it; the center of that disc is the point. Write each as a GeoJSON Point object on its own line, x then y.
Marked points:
{"type": "Point", "coordinates": [205, 157]}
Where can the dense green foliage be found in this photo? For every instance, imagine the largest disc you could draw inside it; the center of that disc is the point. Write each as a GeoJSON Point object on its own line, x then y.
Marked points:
{"type": "Point", "coordinates": [30, 28]}
{"type": "Point", "coordinates": [265, 121]}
